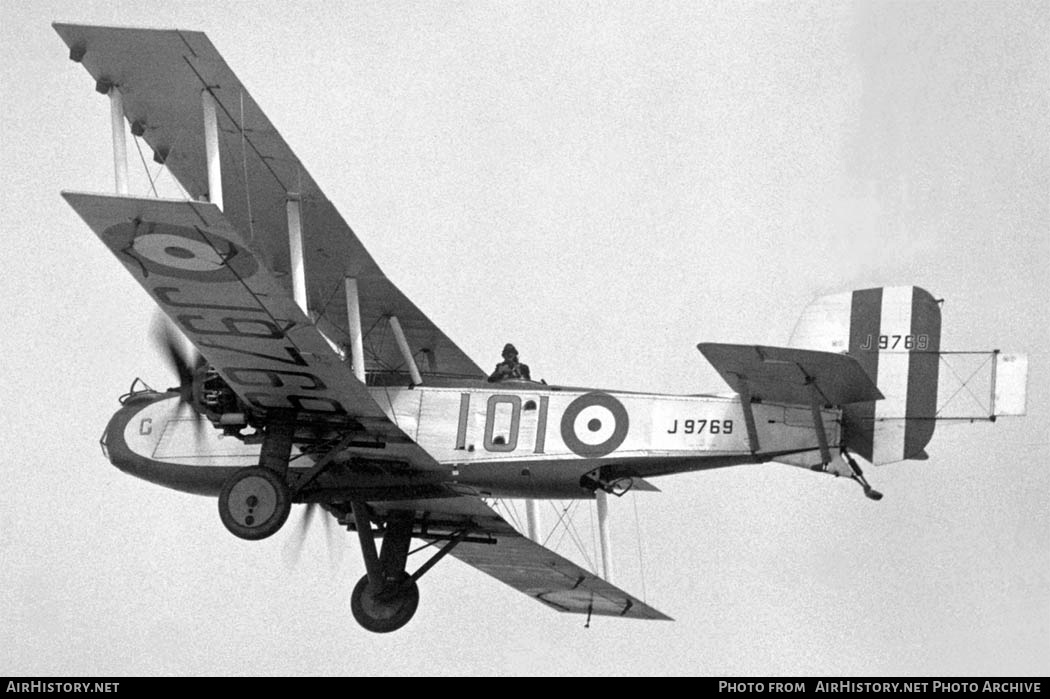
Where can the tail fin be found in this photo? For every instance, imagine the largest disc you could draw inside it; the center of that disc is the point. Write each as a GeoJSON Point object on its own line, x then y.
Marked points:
{"type": "Point", "coordinates": [895, 334]}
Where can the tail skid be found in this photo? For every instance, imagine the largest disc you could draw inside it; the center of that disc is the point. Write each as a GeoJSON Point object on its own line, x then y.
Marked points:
{"type": "Point", "coordinates": [849, 468]}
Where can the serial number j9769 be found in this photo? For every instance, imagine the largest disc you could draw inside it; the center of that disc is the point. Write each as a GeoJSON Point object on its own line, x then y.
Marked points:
{"type": "Point", "coordinates": [699, 426]}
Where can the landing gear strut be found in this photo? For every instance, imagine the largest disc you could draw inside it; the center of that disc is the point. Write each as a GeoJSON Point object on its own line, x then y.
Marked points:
{"type": "Point", "coordinates": [386, 598]}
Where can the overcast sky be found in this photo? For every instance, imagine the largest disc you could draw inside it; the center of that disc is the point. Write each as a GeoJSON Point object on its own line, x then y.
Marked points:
{"type": "Point", "coordinates": [604, 185]}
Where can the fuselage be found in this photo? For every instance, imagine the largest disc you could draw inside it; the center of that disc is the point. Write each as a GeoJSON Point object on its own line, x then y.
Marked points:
{"type": "Point", "coordinates": [511, 439]}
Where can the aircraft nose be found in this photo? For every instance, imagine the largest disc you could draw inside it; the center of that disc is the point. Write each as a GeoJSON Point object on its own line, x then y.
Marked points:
{"type": "Point", "coordinates": [133, 420]}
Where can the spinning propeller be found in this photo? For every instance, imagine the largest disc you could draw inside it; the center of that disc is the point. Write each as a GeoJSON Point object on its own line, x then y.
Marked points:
{"type": "Point", "coordinates": [168, 342]}
{"type": "Point", "coordinates": [293, 546]}
{"type": "Point", "coordinates": [171, 346]}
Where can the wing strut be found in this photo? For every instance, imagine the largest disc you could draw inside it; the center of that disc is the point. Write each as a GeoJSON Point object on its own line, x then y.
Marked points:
{"type": "Point", "coordinates": [211, 148]}
{"type": "Point", "coordinates": [120, 150]}
{"type": "Point", "coordinates": [406, 351]}
{"type": "Point", "coordinates": [353, 319]}
{"type": "Point", "coordinates": [602, 500]}
{"type": "Point", "coordinates": [295, 252]}
{"type": "Point", "coordinates": [749, 415]}
{"type": "Point", "coordinates": [818, 421]}
{"type": "Point", "coordinates": [532, 519]}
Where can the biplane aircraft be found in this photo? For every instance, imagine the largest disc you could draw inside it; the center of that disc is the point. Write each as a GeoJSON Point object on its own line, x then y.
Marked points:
{"type": "Point", "coordinates": [319, 382]}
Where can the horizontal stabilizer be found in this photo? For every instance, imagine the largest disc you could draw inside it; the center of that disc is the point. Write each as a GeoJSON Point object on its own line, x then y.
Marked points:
{"type": "Point", "coordinates": [787, 375]}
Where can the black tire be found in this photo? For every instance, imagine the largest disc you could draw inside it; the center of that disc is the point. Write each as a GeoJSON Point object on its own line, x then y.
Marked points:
{"type": "Point", "coordinates": [254, 503]}
{"type": "Point", "coordinates": [386, 612]}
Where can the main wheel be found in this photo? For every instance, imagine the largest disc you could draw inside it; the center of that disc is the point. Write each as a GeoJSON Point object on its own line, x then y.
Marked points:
{"type": "Point", "coordinates": [254, 503]}
{"type": "Point", "coordinates": [387, 611]}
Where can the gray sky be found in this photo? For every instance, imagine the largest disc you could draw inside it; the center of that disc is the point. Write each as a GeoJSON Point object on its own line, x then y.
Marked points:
{"type": "Point", "coordinates": [605, 186]}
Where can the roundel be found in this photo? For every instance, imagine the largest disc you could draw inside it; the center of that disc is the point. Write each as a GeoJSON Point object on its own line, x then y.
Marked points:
{"type": "Point", "coordinates": [182, 252]}
{"type": "Point", "coordinates": [594, 424]}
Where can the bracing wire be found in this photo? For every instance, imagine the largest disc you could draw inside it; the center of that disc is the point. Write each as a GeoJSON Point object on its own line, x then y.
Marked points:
{"type": "Point", "coordinates": [327, 303]}
{"type": "Point", "coordinates": [963, 383]}
{"type": "Point", "coordinates": [569, 528]}
{"type": "Point", "coordinates": [390, 402]}
{"type": "Point", "coordinates": [145, 167]}
{"type": "Point", "coordinates": [244, 165]}
{"type": "Point", "coordinates": [154, 178]}
{"type": "Point", "coordinates": [371, 344]}
{"type": "Point", "coordinates": [513, 506]}
{"type": "Point", "coordinates": [561, 516]}
{"type": "Point", "coordinates": [578, 540]}
{"type": "Point", "coordinates": [164, 166]}
{"type": "Point", "coordinates": [561, 537]}
{"type": "Point", "coordinates": [512, 513]}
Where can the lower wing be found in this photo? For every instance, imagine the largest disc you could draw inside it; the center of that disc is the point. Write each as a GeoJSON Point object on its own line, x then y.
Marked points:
{"type": "Point", "coordinates": [490, 544]}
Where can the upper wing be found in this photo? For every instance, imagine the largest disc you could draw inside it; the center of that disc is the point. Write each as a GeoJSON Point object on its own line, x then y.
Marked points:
{"type": "Point", "coordinates": [493, 546]}
{"type": "Point", "coordinates": [210, 282]}
{"type": "Point", "coordinates": [161, 74]}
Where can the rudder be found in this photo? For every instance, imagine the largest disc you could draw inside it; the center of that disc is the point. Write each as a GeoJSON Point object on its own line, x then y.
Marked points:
{"type": "Point", "coordinates": [894, 333]}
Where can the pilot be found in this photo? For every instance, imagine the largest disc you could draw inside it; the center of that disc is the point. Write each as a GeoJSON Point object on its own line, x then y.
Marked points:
{"type": "Point", "coordinates": [510, 367]}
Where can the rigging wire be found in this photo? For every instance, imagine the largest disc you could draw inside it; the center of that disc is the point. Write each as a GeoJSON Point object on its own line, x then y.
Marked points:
{"type": "Point", "coordinates": [512, 513]}
{"type": "Point", "coordinates": [244, 165]}
{"type": "Point", "coordinates": [369, 344]}
{"type": "Point", "coordinates": [164, 167]}
{"type": "Point", "coordinates": [561, 516]}
{"type": "Point", "coordinates": [570, 530]}
{"type": "Point", "coordinates": [154, 178]}
{"type": "Point", "coordinates": [517, 515]}
{"type": "Point", "coordinates": [324, 308]}
{"type": "Point", "coordinates": [564, 532]}
{"type": "Point", "coordinates": [963, 383]}
{"type": "Point", "coordinates": [578, 540]}
{"type": "Point", "coordinates": [393, 413]}
{"type": "Point", "coordinates": [145, 167]}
